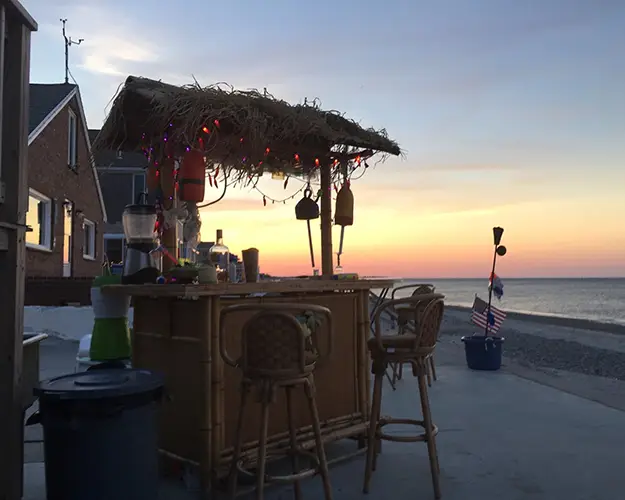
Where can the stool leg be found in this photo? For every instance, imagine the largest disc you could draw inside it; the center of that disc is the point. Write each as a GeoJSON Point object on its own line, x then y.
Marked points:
{"type": "Point", "coordinates": [428, 371]}
{"type": "Point", "coordinates": [262, 447]}
{"type": "Point", "coordinates": [376, 407]}
{"type": "Point", "coordinates": [433, 367]}
{"type": "Point", "coordinates": [429, 432]}
{"type": "Point", "coordinates": [297, 488]}
{"type": "Point", "coordinates": [321, 454]}
{"type": "Point", "coordinates": [238, 443]}
{"type": "Point", "coordinates": [400, 371]}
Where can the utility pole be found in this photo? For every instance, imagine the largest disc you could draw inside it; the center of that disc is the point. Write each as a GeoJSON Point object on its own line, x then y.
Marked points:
{"type": "Point", "coordinates": [68, 43]}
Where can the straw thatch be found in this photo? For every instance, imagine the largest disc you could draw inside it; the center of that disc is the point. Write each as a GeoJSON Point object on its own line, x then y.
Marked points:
{"type": "Point", "coordinates": [239, 129]}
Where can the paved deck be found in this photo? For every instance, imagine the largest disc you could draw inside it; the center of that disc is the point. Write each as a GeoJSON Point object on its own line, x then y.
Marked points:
{"type": "Point", "coordinates": [501, 437]}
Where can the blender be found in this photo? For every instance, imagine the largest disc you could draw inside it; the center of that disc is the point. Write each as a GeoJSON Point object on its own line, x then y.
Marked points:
{"type": "Point", "coordinates": [140, 265]}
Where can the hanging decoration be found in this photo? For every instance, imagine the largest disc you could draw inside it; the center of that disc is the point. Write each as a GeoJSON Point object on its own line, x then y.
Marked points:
{"type": "Point", "coordinates": [343, 215]}
{"type": "Point", "coordinates": [307, 209]}
{"type": "Point", "coordinates": [192, 176]}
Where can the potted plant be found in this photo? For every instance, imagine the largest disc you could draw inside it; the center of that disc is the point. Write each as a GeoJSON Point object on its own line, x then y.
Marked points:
{"type": "Point", "coordinates": [484, 352]}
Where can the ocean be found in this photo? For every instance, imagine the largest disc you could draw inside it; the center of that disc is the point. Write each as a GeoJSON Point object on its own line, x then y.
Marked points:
{"type": "Point", "coordinates": [597, 299]}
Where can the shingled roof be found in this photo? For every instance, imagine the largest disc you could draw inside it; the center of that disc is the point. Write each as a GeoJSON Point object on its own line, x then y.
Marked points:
{"type": "Point", "coordinates": [44, 98]}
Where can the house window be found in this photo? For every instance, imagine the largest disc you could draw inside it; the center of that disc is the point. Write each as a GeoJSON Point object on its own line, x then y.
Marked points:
{"type": "Point", "coordinates": [88, 249]}
{"type": "Point", "coordinates": [114, 249]}
{"type": "Point", "coordinates": [138, 186]}
{"type": "Point", "coordinates": [72, 151]}
{"type": "Point", "coordinates": [39, 218]}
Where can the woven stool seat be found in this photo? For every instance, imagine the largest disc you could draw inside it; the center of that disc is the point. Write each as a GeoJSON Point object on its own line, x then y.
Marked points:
{"type": "Point", "coordinates": [277, 353]}
{"type": "Point", "coordinates": [415, 349]}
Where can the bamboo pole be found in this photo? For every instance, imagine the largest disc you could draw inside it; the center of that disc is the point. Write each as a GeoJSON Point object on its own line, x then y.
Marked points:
{"type": "Point", "coordinates": [326, 221]}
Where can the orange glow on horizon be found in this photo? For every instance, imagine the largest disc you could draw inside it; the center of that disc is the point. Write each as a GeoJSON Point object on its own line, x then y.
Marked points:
{"type": "Point", "coordinates": [397, 233]}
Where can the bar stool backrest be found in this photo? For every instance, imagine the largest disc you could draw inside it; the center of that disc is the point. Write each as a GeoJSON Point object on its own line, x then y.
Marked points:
{"type": "Point", "coordinates": [429, 322]}
{"type": "Point", "coordinates": [273, 343]}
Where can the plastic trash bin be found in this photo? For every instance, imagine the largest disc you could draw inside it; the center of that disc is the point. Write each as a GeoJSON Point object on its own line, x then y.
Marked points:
{"type": "Point", "coordinates": [100, 434]}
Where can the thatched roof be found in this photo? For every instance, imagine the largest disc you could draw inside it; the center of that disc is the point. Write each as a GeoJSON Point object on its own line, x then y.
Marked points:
{"type": "Point", "coordinates": [235, 128]}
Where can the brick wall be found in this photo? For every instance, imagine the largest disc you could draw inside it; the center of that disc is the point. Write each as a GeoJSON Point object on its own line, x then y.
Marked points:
{"type": "Point", "coordinates": [55, 291]}
{"type": "Point", "coordinates": [49, 174]}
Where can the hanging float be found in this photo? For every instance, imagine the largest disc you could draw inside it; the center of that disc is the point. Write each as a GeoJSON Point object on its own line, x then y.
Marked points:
{"type": "Point", "coordinates": [192, 177]}
{"type": "Point", "coordinates": [344, 215]}
{"type": "Point", "coordinates": [307, 209]}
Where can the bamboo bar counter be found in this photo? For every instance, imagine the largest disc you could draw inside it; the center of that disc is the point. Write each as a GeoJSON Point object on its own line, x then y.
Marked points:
{"type": "Point", "coordinates": [176, 332]}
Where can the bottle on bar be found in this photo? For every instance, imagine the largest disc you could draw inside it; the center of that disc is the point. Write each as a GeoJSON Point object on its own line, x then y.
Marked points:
{"type": "Point", "coordinates": [219, 255]}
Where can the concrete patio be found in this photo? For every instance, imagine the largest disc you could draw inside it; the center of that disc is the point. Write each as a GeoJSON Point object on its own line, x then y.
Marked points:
{"type": "Point", "coordinates": [501, 437]}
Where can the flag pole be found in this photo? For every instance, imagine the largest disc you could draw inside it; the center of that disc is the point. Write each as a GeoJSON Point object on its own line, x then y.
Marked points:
{"type": "Point", "coordinates": [497, 233]}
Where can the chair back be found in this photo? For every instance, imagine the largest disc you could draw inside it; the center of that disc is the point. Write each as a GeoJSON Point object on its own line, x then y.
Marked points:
{"type": "Point", "coordinates": [273, 342]}
{"type": "Point", "coordinates": [429, 322]}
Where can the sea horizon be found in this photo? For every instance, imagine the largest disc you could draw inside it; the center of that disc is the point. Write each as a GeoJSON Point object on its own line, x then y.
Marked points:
{"type": "Point", "coordinates": [593, 299]}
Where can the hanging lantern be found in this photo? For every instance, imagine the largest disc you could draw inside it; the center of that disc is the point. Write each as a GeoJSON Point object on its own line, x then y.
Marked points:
{"type": "Point", "coordinates": [152, 179]}
{"type": "Point", "coordinates": [344, 214]}
{"type": "Point", "coordinates": [307, 209]}
{"type": "Point", "coordinates": [192, 177]}
{"type": "Point", "coordinates": [166, 177]}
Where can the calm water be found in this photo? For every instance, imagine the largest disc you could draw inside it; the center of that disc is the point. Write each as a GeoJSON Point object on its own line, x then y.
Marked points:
{"type": "Point", "coordinates": [593, 298]}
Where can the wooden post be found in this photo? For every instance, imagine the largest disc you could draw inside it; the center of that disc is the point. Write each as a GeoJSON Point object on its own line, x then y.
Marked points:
{"type": "Point", "coordinates": [16, 24]}
{"type": "Point", "coordinates": [326, 222]}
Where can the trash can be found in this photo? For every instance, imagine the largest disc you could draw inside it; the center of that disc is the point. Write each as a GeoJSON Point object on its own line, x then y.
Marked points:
{"type": "Point", "coordinates": [100, 434]}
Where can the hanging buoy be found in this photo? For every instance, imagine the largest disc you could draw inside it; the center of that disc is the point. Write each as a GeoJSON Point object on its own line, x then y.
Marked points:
{"type": "Point", "coordinates": [307, 209]}
{"type": "Point", "coordinates": [192, 177]}
{"type": "Point", "coordinates": [344, 214]}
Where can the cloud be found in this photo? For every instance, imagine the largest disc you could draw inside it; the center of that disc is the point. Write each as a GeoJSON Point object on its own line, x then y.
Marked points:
{"type": "Point", "coordinates": [112, 44]}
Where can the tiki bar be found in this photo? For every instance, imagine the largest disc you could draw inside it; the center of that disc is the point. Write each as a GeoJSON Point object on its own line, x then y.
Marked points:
{"type": "Point", "coordinates": [296, 347]}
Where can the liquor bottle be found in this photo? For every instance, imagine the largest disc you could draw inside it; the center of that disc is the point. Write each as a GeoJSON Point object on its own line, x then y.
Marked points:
{"type": "Point", "coordinates": [219, 255]}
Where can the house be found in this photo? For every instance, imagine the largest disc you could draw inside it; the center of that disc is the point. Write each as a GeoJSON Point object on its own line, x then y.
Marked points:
{"type": "Point", "coordinates": [122, 176]}
{"type": "Point", "coordinates": [65, 206]}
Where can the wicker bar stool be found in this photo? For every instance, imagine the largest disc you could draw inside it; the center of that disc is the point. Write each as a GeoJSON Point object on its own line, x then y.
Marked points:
{"type": "Point", "coordinates": [414, 348]}
{"type": "Point", "coordinates": [405, 318]}
{"type": "Point", "coordinates": [278, 352]}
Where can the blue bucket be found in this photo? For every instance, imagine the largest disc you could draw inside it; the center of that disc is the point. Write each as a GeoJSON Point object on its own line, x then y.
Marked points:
{"type": "Point", "coordinates": [483, 353]}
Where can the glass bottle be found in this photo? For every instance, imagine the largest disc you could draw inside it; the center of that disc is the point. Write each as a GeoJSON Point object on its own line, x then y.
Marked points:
{"type": "Point", "coordinates": [219, 255]}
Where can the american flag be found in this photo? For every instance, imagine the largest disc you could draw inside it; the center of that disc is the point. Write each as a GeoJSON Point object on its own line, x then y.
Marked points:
{"type": "Point", "coordinates": [479, 316]}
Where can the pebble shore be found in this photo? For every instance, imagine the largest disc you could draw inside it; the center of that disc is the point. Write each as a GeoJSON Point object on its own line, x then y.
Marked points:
{"type": "Point", "coordinates": [528, 343]}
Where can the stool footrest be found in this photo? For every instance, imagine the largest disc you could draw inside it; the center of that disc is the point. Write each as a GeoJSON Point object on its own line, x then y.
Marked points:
{"type": "Point", "coordinates": [384, 421]}
{"type": "Point", "coordinates": [287, 478]}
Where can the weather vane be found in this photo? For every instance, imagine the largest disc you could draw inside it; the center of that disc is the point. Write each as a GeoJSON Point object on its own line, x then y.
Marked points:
{"type": "Point", "coordinates": [68, 43]}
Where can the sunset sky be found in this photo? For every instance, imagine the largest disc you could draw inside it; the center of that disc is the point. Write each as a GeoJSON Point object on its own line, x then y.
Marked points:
{"type": "Point", "coordinates": [510, 113]}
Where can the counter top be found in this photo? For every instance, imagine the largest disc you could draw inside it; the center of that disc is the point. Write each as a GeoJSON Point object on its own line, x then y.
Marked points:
{"type": "Point", "coordinates": [284, 286]}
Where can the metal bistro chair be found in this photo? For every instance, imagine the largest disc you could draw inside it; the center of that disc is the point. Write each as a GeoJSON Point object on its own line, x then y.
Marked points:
{"type": "Point", "coordinates": [407, 321]}
{"type": "Point", "coordinates": [414, 348]}
{"type": "Point", "coordinates": [277, 353]}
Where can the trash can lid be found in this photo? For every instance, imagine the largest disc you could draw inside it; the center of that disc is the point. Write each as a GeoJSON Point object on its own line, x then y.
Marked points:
{"type": "Point", "coordinates": [100, 384]}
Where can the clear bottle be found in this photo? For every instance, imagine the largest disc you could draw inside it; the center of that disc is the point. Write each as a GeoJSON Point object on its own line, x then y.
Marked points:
{"type": "Point", "coordinates": [219, 255]}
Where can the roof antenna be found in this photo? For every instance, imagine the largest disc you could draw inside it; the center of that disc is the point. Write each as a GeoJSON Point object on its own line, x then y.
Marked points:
{"type": "Point", "coordinates": [68, 43]}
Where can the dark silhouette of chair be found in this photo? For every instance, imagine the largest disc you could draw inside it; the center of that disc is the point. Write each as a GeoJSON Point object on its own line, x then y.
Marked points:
{"type": "Point", "coordinates": [277, 352]}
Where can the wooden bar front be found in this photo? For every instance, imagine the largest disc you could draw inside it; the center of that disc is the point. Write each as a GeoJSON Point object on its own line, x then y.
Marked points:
{"type": "Point", "coordinates": [176, 332]}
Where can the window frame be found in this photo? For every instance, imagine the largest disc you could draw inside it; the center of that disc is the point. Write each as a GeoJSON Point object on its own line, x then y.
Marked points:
{"type": "Point", "coordinates": [92, 239]}
{"type": "Point", "coordinates": [47, 225]}
{"type": "Point", "coordinates": [72, 140]}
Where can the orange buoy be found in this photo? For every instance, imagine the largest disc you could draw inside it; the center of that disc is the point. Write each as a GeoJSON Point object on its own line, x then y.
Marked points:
{"type": "Point", "coordinates": [192, 177]}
